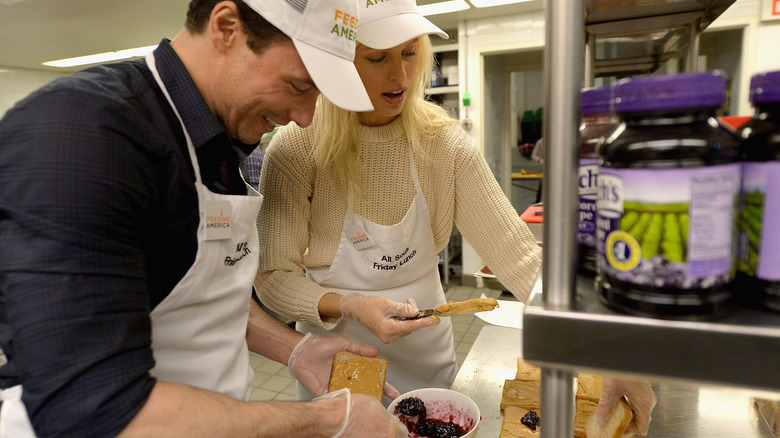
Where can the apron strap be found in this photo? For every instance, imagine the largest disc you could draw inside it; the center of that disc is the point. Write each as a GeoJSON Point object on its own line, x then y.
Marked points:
{"type": "Point", "coordinates": [14, 422]}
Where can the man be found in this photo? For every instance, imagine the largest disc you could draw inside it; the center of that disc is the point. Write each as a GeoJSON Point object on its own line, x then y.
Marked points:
{"type": "Point", "coordinates": [127, 249]}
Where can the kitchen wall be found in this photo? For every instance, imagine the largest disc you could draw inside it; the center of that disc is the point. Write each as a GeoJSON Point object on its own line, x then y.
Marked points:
{"type": "Point", "coordinates": [17, 83]}
{"type": "Point", "coordinates": [768, 50]}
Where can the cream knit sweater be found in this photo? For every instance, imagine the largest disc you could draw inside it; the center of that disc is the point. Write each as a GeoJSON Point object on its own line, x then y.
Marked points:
{"type": "Point", "coordinates": [304, 209]}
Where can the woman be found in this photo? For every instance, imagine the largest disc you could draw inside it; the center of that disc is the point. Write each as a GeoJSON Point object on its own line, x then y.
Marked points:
{"type": "Point", "coordinates": [367, 200]}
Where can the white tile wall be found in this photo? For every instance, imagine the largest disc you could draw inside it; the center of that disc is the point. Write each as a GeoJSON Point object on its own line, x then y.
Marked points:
{"type": "Point", "coordinates": [16, 83]}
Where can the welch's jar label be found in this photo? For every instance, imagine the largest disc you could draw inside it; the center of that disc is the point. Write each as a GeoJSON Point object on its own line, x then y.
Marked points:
{"type": "Point", "coordinates": [668, 228]}
{"type": "Point", "coordinates": [588, 195]}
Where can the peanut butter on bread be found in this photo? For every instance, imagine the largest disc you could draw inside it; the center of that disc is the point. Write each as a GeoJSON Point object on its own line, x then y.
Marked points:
{"type": "Point", "coordinates": [467, 306]}
{"type": "Point", "coordinates": [361, 374]}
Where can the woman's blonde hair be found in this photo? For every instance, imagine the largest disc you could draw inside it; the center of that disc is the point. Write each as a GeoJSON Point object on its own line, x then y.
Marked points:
{"type": "Point", "coordinates": [338, 134]}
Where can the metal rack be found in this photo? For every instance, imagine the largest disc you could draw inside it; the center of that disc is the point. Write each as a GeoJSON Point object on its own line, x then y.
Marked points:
{"type": "Point", "coordinates": [567, 328]}
{"type": "Point", "coordinates": [638, 36]}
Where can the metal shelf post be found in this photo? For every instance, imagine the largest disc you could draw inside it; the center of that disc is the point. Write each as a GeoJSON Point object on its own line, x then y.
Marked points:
{"type": "Point", "coordinates": [564, 45]}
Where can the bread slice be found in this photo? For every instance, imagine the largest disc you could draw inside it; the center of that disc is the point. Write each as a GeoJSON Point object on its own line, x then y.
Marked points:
{"type": "Point", "coordinates": [523, 393]}
{"type": "Point", "coordinates": [526, 371]}
{"type": "Point", "coordinates": [589, 387]}
{"type": "Point", "coordinates": [512, 427]}
{"type": "Point", "coordinates": [361, 374]}
{"type": "Point", "coordinates": [584, 410]}
{"type": "Point", "coordinates": [617, 422]}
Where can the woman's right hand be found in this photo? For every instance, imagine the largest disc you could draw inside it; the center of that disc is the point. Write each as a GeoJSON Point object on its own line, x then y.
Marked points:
{"type": "Point", "coordinates": [377, 314]}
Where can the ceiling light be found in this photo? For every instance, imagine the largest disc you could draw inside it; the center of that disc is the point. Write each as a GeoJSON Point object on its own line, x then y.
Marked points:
{"type": "Point", "coordinates": [489, 3]}
{"type": "Point", "coordinates": [443, 7]}
{"type": "Point", "coordinates": [101, 57]}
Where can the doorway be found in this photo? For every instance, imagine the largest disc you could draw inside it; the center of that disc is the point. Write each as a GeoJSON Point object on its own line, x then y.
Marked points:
{"type": "Point", "coordinates": [513, 88]}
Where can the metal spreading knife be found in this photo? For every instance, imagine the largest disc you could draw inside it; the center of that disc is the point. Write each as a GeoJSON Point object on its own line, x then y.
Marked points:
{"type": "Point", "coordinates": [455, 308]}
{"type": "Point", "coordinates": [421, 314]}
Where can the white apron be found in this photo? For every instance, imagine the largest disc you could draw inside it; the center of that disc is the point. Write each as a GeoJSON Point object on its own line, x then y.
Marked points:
{"type": "Point", "coordinates": [199, 329]}
{"type": "Point", "coordinates": [402, 263]}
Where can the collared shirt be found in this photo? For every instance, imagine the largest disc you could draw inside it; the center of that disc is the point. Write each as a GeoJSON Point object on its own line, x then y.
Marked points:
{"type": "Point", "coordinates": [254, 164]}
{"type": "Point", "coordinates": [98, 222]}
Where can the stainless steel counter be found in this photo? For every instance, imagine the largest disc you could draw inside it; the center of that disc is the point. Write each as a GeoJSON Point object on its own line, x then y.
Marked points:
{"type": "Point", "coordinates": [682, 411]}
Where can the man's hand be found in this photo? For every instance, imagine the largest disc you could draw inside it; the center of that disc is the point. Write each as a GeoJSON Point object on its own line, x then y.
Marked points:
{"type": "Point", "coordinates": [365, 417]}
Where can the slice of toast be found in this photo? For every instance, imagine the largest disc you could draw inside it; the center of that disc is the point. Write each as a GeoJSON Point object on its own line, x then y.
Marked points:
{"type": "Point", "coordinates": [513, 427]}
{"type": "Point", "coordinates": [526, 371]}
{"type": "Point", "coordinates": [584, 410]}
{"type": "Point", "coordinates": [617, 422]}
{"type": "Point", "coordinates": [523, 393]}
{"type": "Point", "coordinates": [361, 374]}
{"type": "Point", "coordinates": [589, 387]}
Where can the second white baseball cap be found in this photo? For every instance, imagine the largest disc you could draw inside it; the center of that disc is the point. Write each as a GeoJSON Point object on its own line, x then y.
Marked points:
{"type": "Point", "coordinates": [388, 23]}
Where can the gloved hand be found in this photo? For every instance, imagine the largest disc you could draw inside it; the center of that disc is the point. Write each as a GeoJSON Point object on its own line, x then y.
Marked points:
{"type": "Point", "coordinates": [377, 313]}
{"type": "Point", "coordinates": [640, 397]}
{"type": "Point", "coordinates": [312, 358]}
{"type": "Point", "coordinates": [365, 417]}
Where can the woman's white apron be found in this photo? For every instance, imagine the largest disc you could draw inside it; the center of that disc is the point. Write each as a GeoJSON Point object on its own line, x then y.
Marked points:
{"type": "Point", "coordinates": [396, 262]}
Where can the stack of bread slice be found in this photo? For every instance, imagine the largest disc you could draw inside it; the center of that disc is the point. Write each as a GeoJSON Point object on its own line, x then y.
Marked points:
{"type": "Point", "coordinates": [521, 395]}
{"type": "Point", "coordinates": [589, 387]}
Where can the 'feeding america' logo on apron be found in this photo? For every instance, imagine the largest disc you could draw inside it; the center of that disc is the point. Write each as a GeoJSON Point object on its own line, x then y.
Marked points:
{"type": "Point", "coordinates": [359, 238]}
{"type": "Point", "coordinates": [218, 220]}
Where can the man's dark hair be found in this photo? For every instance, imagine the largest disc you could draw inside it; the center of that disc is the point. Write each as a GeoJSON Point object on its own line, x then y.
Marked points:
{"type": "Point", "coordinates": [260, 33]}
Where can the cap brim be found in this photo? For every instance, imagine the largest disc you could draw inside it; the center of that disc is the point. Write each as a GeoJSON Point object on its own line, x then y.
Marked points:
{"type": "Point", "coordinates": [335, 77]}
{"type": "Point", "coordinates": [397, 29]}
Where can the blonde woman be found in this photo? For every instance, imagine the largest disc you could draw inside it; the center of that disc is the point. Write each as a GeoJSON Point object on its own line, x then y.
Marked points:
{"type": "Point", "coordinates": [365, 201]}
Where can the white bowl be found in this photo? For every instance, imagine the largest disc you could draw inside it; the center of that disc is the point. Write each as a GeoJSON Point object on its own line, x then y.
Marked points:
{"type": "Point", "coordinates": [445, 405]}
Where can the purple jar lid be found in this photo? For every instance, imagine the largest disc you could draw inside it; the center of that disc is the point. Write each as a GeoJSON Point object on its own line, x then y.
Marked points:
{"type": "Point", "coordinates": [666, 92]}
{"type": "Point", "coordinates": [765, 87]}
{"type": "Point", "coordinates": [596, 100]}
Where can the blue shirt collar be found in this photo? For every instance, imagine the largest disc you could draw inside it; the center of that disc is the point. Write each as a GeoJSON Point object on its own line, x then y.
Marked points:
{"type": "Point", "coordinates": [201, 123]}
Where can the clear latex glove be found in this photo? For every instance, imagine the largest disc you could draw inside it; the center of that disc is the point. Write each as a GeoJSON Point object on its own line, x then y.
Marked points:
{"type": "Point", "coordinates": [365, 417]}
{"type": "Point", "coordinates": [312, 358]}
{"type": "Point", "coordinates": [640, 397]}
{"type": "Point", "coordinates": [391, 392]}
{"type": "Point", "coordinates": [377, 314]}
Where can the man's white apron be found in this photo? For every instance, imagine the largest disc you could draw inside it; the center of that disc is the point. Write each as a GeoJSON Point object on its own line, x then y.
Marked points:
{"type": "Point", "coordinates": [199, 329]}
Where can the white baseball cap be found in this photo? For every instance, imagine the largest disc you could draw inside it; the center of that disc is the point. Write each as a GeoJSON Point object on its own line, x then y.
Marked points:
{"type": "Point", "coordinates": [388, 23]}
{"type": "Point", "coordinates": [324, 33]}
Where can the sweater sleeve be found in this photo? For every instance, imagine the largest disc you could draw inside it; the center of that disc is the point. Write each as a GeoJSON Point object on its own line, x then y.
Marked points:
{"type": "Point", "coordinates": [286, 182]}
{"type": "Point", "coordinates": [489, 222]}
